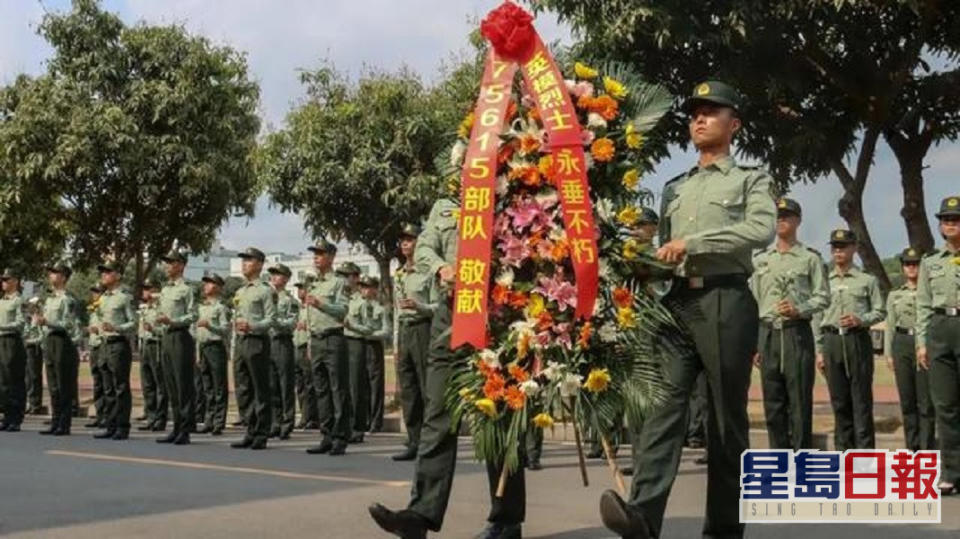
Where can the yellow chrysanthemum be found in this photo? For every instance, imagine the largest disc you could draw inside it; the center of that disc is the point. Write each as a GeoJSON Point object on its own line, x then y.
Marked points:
{"type": "Point", "coordinates": [628, 216]}
{"type": "Point", "coordinates": [626, 317]}
{"type": "Point", "coordinates": [597, 381]}
{"type": "Point", "coordinates": [634, 138]}
{"type": "Point", "coordinates": [536, 306]}
{"type": "Point", "coordinates": [631, 178]}
{"type": "Point", "coordinates": [543, 421]}
{"type": "Point", "coordinates": [630, 249]}
{"type": "Point", "coordinates": [614, 87]}
{"type": "Point", "coordinates": [487, 406]}
{"type": "Point", "coordinates": [466, 394]}
{"type": "Point", "coordinates": [956, 260]}
{"type": "Point", "coordinates": [545, 164]}
{"type": "Point", "coordinates": [584, 71]}
{"type": "Point", "coordinates": [465, 126]}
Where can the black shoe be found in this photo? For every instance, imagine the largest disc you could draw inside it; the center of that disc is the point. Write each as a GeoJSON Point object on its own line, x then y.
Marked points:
{"type": "Point", "coordinates": [324, 447]}
{"type": "Point", "coordinates": [168, 439]}
{"type": "Point", "coordinates": [285, 434]}
{"type": "Point", "coordinates": [3, 426]}
{"type": "Point", "coordinates": [408, 454]}
{"type": "Point", "coordinates": [626, 471]}
{"type": "Point", "coordinates": [141, 418]}
{"type": "Point", "coordinates": [246, 442]}
{"type": "Point", "coordinates": [622, 519]}
{"type": "Point", "coordinates": [534, 466]}
{"type": "Point", "coordinates": [596, 453]}
{"type": "Point", "coordinates": [338, 449]}
{"type": "Point", "coordinates": [404, 524]}
{"type": "Point", "coordinates": [121, 435]}
{"type": "Point", "coordinates": [259, 443]}
{"type": "Point", "coordinates": [275, 433]}
{"type": "Point", "coordinates": [312, 426]}
{"type": "Point", "coordinates": [207, 429]}
{"type": "Point", "coordinates": [495, 530]}
{"type": "Point", "coordinates": [61, 432]}
{"type": "Point", "coordinates": [147, 427]}
{"type": "Point", "coordinates": [95, 424]}
{"type": "Point", "coordinates": [105, 434]}
{"type": "Point", "coordinates": [356, 438]}
{"type": "Point", "coordinates": [159, 426]}
{"type": "Point", "coordinates": [217, 431]}
{"type": "Point", "coordinates": [238, 423]}
{"type": "Point", "coordinates": [182, 439]}
{"type": "Point", "coordinates": [695, 443]}
{"type": "Point", "coordinates": [48, 422]}
{"type": "Point", "coordinates": [12, 427]}
{"type": "Point", "coordinates": [946, 488]}
{"type": "Point", "coordinates": [301, 425]}
{"type": "Point", "coordinates": [51, 430]}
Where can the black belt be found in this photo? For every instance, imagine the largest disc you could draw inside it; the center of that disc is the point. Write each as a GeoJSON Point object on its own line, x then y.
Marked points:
{"type": "Point", "coordinates": [328, 333]}
{"type": "Point", "coordinates": [176, 329]}
{"type": "Point", "coordinates": [415, 321]}
{"type": "Point", "coordinates": [905, 331]}
{"type": "Point", "coordinates": [151, 341]}
{"type": "Point", "coordinates": [785, 324]}
{"type": "Point", "coordinates": [283, 336]}
{"type": "Point", "coordinates": [846, 331]}
{"type": "Point", "coordinates": [253, 336]}
{"type": "Point", "coordinates": [114, 339]}
{"type": "Point", "coordinates": [947, 311]}
{"type": "Point", "coordinates": [710, 281]}
{"type": "Point", "coordinates": [352, 338]}
{"type": "Point", "coordinates": [11, 335]}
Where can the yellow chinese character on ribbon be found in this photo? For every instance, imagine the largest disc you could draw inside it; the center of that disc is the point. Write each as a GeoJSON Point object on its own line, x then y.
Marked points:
{"type": "Point", "coordinates": [469, 301]}
{"type": "Point", "coordinates": [568, 163]}
{"type": "Point", "coordinates": [476, 198]}
{"type": "Point", "coordinates": [551, 98]}
{"type": "Point", "coordinates": [544, 82]}
{"type": "Point", "coordinates": [572, 191]}
{"type": "Point", "coordinates": [583, 251]}
{"type": "Point", "coordinates": [577, 222]}
{"type": "Point", "coordinates": [538, 64]}
{"type": "Point", "coordinates": [559, 119]}
{"type": "Point", "coordinates": [472, 227]}
{"type": "Point", "coordinates": [472, 271]}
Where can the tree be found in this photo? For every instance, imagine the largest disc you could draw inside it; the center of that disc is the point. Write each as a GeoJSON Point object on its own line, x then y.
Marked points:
{"type": "Point", "coordinates": [824, 81]}
{"type": "Point", "coordinates": [141, 136]}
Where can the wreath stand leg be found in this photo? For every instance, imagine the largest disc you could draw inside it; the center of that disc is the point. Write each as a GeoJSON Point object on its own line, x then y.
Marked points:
{"type": "Point", "coordinates": [580, 457]}
{"type": "Point", "coordinates": [502, 485]}
{"type": "Point", "coordinates": [614, 468]}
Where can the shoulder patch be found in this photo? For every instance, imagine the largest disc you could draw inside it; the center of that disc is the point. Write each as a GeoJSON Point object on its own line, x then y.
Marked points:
{"type": "Point", "coordinates": [931, 253]}
{"type": "Point", "coordinates": [814, 251]}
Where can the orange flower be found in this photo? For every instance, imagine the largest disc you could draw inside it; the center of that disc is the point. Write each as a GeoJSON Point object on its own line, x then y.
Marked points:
{"type": "Point", "coordinates": [523, 345]}
{"type": "Point", "coordinates": [622, 297]}
{"type": "Point", "coordinates": [518, 373]}
{"type": "Point", "coordinates": [511, 110]}
{"type": "Point", "coordinates": [602, 149]}
{"type": "Point", "coordinates": [546, 168]}
{"type": "Point", "coordinates": [518, 300]}
{"type": "Point", "coordinates": [493, 389]}
{"type": "Point", "coordinates": [585, 332]}
{"type": "Point", "coordinates": [533, 115]}
{"type": "Point", "coordinates": [544, 321]}
{"type": "Point", "coordinates": [585, 102]}
{"type": "Point", "coordinates": [515, 398]}
{"type": "Point", "coordinates": [501, 294]}
{"type": "Point", "coordinates": [561, 250]}
{"type": "Point", "coordinates": [606, 106]}
{"type": "Point", "coordinates": [505, 153]}
{"type": "Point", "coordinates": [528, 175]}
{"type": "Point", "coordinates": [529, 144]}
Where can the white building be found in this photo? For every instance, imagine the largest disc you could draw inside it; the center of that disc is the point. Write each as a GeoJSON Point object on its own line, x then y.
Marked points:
{"type": "Point", "coordinates": [301, 264]}
{"type": "Point", "coordinates": [216, 260]}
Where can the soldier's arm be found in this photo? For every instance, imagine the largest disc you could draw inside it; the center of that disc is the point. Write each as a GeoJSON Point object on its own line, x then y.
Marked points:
{"type": "Point", "coordinates": [815, 324]}
{"type": "Point", "coordinates": [891, 324]}
{"type": "Point", "coordinates": [663, 229]}
{"type": "Point", "coordinates": [385, 327]}
{"type": "Point", "coordinates": [877, 310]}
{"type": "Point", "coordinates": [189, 315]}
{"type": "Point", "coordinates": [820, 290]}
{"type": "Point", "coordinates": [428, 256]}
{"type": "Point", "coordinates": [218, 324]}
{"type": "Point", "coordinates": [924, 304]}
{"type": "Point", "coordinates": [288, 320]}
{"type": "Point", "coordinates": [269, 311]}
{"type": "Point", "coordinates": [18, 319]}
{"type": "Point", "coordinates": [755, 231]}
{"type": "Point", "coordinates": [354, 318]}
{"type": "Point", "coordinates": [66, 319]}
{"type": "Point", "coordinates": [129, 315]}
{"type": "Point", "coordinates": [338, 307]}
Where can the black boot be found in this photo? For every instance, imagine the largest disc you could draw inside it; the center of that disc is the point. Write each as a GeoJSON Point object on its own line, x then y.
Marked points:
{"type": "Point", "coordinates": [404, 524]}
{"type": "Point", "coordinates": [496, 530]}
{"type": "Point", "coordinates": [622, 519]}
{"type": "Point", "coordinates": [105, 434]}
{"type": "Point", "coordinates": [168, 439]}
{"type": "Point", "coordinates": [409, 453]}
{"type": "Point", "coordinates": [246, 442]}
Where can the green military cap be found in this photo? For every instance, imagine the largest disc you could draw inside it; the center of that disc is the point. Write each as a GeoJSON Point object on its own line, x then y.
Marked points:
{"type": "Point", "coordinates": [410, 230]}
{"type": "Point", "coordinates": [110, 266]}
{"type": "Point", "coordinates": [213, 278]}
{"type": "Point", "coordinates": [348, 268]}
{"type": "Point", "coordinates": [910, 255]}
{"type": "Point", "coordinates": [949, 207]}
{"type": "Point", "coordinates": [323, 246]}
{"type": "Point", "coordinates": [842, 236]}
{"type": "Point", "coordinates": [254, 253]}
{"type": "Point", "coordinates": [789, 205]}
{"type": "Point", "coordinates": [715, 92]}
{"type": "Point", "coordinates": [174, 256]}
{"type": "Point", "coordinates": [9, 273]}
{"type": "Point", "coordinates": [280, 269]}
{"type": "Point", "coordinates": [60, 267]}
{"type": "Point", "coordinates": [370, 281]}
{"type": "Point", "coordinates": [150, 284]}
{"type": "Point", "coordinates": [648, 216]}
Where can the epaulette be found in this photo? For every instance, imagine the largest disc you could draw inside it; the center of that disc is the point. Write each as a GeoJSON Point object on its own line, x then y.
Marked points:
{"type": "Point", "coordinates": [814, 251]}
{"type": "Point", "coordinates": [931, 253]}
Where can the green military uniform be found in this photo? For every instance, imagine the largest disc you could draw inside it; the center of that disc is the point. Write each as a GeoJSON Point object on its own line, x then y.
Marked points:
{"type": "Point", "coordinates": [306, 395]}
{"type": "Point", "coordinates": [848, 353]}
{"type": "Point", "coordinates": [437, 452]}
{"type": "Point", "coordinates": [722, 211]}
{"type": "Point", "coordinates": [786, 345]}
{"type": "Point", "coordinates": [155, 402]}
{"type": "Point", "coordinates": [355, 328]}
{"type": "Point", "coordinates": [329, 362]}
{"type": "Point", "coordinates": [378, 320]}
{"type": "Point", "coordinates": [178, 304]}
{"type": "Point", "coordinates": [13, 357]}
{"type": "Point", "coordinates": [33, 339]}
{"type": "Point", "coordinates": [899, 344]}
{"type": "Point", "coordinates": [94, 344]}
{"type": "Point", "coordinates": [213, 357]}
{"type": "Point", "coordinates": [257, 306]}
{"type": "Point", "coordinates": [116, 310]}
{"type": "Point", "coordinates": [284, 363]}
{"type": "Point", "coordinates": [60, 329]}
{"type": "Point", "coordinates": [938, 331]}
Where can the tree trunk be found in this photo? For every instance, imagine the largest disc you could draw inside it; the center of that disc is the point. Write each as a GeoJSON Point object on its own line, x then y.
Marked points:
{"type": "Point", "coordinates": [910, 154]}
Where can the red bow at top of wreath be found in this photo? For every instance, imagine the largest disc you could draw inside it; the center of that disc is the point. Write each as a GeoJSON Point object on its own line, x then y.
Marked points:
{"type": "Point", "coordinates": [509, 28]}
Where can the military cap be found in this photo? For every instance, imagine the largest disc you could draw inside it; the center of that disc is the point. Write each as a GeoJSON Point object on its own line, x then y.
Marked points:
{"type": "Point", "coordinates": [949, 207]}
{"type": "Point", "coordinates": [96, 289]}
{"type": "Point", "coordinates": [150, 284]}
{"type": "Point", "coordinates": [307, 282]}
{"type": "Point", "coordinates": [9, 273]}
{"type": "Point", "coordinates": [323, 246]}
{"type": "Point", "coordinates": [348, 268]}
{"type": "Point", "coordinates": [910, 255]}
{"type": "Point", "coordinates": [213, 278]}
{"type": "Point", "coordinates": [715, 92]}
{"type": "Point", "coordinates": [280, 269]}
{"type": "Point", "coordinates": [789, 205]}
{"type": "Point", "coordinates": [110, 266]}
{"type": "Point", "coordinates": [842, 236]}
{"type": "Point", "coordinates": [254, 253]}
{"type": "Point", "coordinates": [370, 281]}
{"type": "Point", "coordinates": [648, 216]}
{"type": "Point", "coordinates": [174, 256]}
{"type": "Point", "coordinates": [410, 230]}
{"type": "Point", "coordinates": [60, 267]}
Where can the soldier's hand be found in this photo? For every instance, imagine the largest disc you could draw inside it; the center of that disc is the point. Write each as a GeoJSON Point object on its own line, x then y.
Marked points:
{"type": "Point", "coordinates": [821, 365]}
{"type": "Point", "coordinates": [163, 319]}
{"type": "Point", "coordinates": [849, 321]}
{"type": "Point", "coordinates": [407, 303]}
{"type": "Point", "coordinates": [301, 326]}
{"type": "Point", "coordinates": [39, 320]}
{"type": "Point", "coordinates": [93, 330]}
{"type": "Point", "coordinates": [756, 359]}
{"type": "Point", "coordinates": [922, 359]}
{"type": "Point", "coordinates": [242, 326]}
{"type": "Point", "coordinates": [203, 324]}
{"type": "Point", "coordinates": [147, 327]}
{"type": "Point", "coordinates": [107, 326]}
{"type": "Point", "coordinates": [314, 301]}
{"type": "Point", "coordinates": [447, 274]}
{"type": "Point", "coordinates": [787, 309]}
{"type": "Point", "coordinates": [673, 252]}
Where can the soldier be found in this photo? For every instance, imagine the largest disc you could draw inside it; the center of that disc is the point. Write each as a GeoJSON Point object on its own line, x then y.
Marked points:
{"type": "Point", "coordinates": [256, 312]}
{"type": "Point", "coordinates": [645, 230]}
{"type": "Point", "coordinates": [33, 337]}
{"type": "Point", "coordinates": [177, 312]}
{"type": "Point", "coordinates": [900, 349]}
{"type": "Point", "coordinates": [415, 298]}
{"type": "Point", "coordinates": [155, 401]}
{"type": "Point", "coordinates": [435, 256]}
{"type": "Point", "coordinates": [351, 274]}
{"type": "Point", "coordinates": [329, 362]}
{"type": "Point", "coordinates": [95, 358]}
{"type": "Point", "coordinates": [791, 287]}
{"type": "Point", "coordinates": [377, 318]}
{"type": "Point", "coordinates": [213, 325]}
{"type": "Point", "coordinates": [59, 322]}
{"type": "Point", "coordinates": [306, 396]}
{"type": "Point", "coordinates": [283, 371]}
{"type": "Point", "coordinates": [938, 337]}
{"type": "Point", "coordinates": [355, 328]}
{"type": "Point", "coordinates": [117, 322]}
{"type": "Point", "coordinates": [713, 217]}
{"type": "Point", "coordinates": [845, 349]}
{"type": "Point", "coordinates": [13, 356]}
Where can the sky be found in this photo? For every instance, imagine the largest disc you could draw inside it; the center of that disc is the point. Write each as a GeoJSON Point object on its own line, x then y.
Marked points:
{"type": "Point", "coordinates": [281, 37]}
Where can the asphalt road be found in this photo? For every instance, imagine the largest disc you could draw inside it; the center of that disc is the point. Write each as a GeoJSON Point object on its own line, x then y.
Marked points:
{"type": "Point", "coordinates": [79, 487]}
